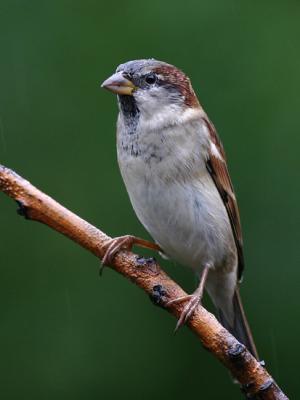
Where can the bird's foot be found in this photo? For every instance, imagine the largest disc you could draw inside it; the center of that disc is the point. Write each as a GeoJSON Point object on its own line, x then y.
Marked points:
{"type": "Point", "coordinates": [193, 300]}
{"type": "Point", "coordinates": [126, 242]}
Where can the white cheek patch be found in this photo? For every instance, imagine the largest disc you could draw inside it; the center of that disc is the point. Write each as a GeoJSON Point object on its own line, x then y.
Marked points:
{"type": "Point", "coordinates": [157, 112]}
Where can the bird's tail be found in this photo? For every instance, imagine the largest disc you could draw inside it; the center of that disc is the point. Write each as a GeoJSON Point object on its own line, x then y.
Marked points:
{"type": "Point", "coordinates": [238, 324]}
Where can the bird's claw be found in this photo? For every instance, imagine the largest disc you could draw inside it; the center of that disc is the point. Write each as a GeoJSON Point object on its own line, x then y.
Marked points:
{"type": "Point", "coordinates": [113, 247]}
{"type": "Point", "coordinates": [193, 301]}
{"type": "Point", "coordinates": [126, 242]}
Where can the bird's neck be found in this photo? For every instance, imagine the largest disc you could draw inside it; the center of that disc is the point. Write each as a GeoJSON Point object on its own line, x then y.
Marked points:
{"type": "Point", "coordinates": [168, 148]}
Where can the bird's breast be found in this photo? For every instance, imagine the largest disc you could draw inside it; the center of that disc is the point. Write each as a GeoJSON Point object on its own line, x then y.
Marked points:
{"type": "Point", "coordinates": [175, 198]}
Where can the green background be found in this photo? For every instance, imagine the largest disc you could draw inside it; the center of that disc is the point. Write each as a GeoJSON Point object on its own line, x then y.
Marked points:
{"type": "Point", "coordinates": [64, 332]}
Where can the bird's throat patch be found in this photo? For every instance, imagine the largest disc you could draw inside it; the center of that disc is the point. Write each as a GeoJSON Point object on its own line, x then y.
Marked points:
{"type": "Point", "coordinates": [130, 112]}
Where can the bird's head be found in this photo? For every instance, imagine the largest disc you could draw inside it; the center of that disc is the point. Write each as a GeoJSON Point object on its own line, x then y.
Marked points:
{"type": "Point", "coordinates": [151, 87]}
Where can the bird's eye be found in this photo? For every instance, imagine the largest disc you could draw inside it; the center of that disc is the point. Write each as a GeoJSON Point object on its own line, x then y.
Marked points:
{"type": "Point", "coordinates": [150, 78]}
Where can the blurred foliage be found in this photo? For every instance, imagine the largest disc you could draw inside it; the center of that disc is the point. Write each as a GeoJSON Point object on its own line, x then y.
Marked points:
{"type": "Point", "coordinates": [66, 334]}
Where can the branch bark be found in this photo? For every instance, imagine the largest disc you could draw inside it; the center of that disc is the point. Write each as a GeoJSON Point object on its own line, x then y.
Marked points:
{"type": "Point", "coordinates": [255, 381]}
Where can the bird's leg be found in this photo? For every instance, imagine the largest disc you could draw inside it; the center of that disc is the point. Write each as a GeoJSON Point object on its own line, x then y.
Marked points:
{"type": "Point", "coordinates": [193, 300]}
{"type": "Point", "coordinates": [126, 242]}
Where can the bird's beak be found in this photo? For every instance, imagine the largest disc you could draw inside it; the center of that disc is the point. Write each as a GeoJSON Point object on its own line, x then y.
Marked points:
{"type": "Point", "coordinates": [118, 84]}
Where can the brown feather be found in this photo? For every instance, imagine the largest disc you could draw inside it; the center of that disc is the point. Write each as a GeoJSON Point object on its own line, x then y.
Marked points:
{"type": "Point", "coordinates": [218, 170]}
{"type": "Point", "coordinates": [174, 77]}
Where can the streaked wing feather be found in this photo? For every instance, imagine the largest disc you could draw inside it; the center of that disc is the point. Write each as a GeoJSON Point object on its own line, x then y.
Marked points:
{"type": "Point", "coordinates": [218, 170]}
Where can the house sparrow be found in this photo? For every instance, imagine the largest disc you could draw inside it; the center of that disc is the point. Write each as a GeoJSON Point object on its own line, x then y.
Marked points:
{"type": "Point", "coordinates": [174, 169]}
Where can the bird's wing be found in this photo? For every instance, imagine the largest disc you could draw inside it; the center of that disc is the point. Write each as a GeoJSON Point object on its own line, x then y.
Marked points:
{"type": "Point", "coordinates": [217, 167]}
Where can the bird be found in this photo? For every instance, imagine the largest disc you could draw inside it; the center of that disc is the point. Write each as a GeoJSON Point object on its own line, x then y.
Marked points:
{"type": "Point", "coordinates": [175, 171]}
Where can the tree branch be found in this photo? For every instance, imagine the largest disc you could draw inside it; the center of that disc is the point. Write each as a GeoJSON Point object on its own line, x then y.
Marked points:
{"type": "Point", "coordinates": [146, 273]}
